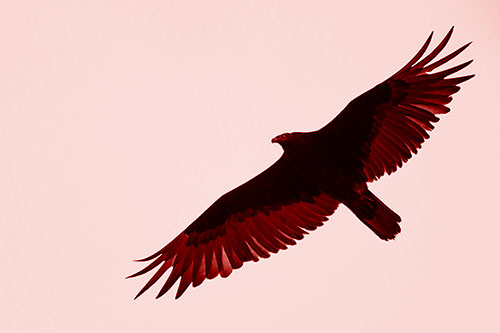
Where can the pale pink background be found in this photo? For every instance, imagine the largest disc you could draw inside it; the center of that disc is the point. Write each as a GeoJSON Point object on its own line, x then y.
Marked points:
{"type": "Point", "coordinates": [121, 121]}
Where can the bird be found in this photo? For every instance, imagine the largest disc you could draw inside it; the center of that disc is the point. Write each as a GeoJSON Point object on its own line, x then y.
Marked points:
{"type": "Point", "coordinates": [372, 136]}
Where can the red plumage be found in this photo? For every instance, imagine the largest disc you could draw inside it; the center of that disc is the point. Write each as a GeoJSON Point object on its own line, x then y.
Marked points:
{"type": "Point", "coordinates": [375, 134]}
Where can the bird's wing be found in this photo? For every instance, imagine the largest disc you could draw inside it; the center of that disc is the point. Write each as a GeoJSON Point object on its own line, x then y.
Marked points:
{"type": "Point", "coordinates": [262, 216]}
{"type": "Point", "coordinates": [381, 129]}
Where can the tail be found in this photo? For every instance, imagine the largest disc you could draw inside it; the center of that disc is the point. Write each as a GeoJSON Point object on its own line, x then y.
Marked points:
{"type": "Point", "coordinates": [375, 215]}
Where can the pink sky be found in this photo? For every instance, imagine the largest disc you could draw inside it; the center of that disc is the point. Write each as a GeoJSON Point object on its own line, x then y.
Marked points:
{"type": "Point", "coordinates": [121, 121]}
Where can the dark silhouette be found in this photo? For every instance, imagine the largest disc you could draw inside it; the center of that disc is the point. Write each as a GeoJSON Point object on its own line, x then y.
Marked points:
{"type": "Point", "coordinates": [375, 134]}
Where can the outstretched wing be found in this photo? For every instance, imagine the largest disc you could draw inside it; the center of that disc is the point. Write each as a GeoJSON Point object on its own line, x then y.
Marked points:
{"type": "Point", "coordinates": [381, 129]}
{"type": "Point", "coordinates": [262, 216]}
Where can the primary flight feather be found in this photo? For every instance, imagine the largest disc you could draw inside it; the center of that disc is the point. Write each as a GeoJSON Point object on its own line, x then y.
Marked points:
{"type": "Point", "coordinates": [375, 134]}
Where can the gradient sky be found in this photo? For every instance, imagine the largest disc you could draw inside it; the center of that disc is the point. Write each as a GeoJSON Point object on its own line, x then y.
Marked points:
{"type": "Point", "coordinates": [121, 121]}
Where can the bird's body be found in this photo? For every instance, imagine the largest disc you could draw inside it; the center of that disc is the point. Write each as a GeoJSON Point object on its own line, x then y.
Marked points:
{"type": "Point", "coordinates": [374, 135]}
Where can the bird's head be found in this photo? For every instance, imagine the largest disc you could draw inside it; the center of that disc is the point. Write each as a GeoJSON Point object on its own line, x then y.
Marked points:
{"type": "Point", "coordinates": [283, 139]}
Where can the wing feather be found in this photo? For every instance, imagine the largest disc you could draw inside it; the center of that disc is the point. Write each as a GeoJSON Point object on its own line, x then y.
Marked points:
{"type": "Point", "coordinates": [386, 125]}
{"type": "Point", "coordinates": [263, 216]}
{"type": "Point", "coordinates": [248, 240]}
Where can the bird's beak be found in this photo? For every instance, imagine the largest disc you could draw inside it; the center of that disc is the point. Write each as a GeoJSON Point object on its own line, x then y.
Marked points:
{"type": "Point", "coordinates": [274, 140]}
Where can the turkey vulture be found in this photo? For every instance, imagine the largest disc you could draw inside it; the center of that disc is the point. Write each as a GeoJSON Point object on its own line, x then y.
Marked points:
{"type": "Point", "coordinates": [375, 134]}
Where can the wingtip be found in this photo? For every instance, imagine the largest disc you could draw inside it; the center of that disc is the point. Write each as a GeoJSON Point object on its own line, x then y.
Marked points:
{"type": "Point", "coordinates": [467, 63]}
{"type": "Point", "coordinates": [447, 37]}
{"type": "Point", "coordinates": [467, 77]}
{"type": "Point", "coordinates": [142, 291]}
{"type": "Point", "coordinates": [163, 291]}
{"type": "Point", "coordinates": [429, 39]}
{"type": "Point", "coordinates": [466, 45]}
{"type": "Point", "coordinates": [417, 56]}
{"type": "Point", "coordinates": [181, 290]}
{"type": "Point", "coordinates": [144, 259]}
{"type": "Point", "coordinates": [133, 275]}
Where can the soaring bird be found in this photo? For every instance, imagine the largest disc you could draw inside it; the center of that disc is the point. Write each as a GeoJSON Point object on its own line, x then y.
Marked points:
{"type": "Point", "coordinates": [374, 135]}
